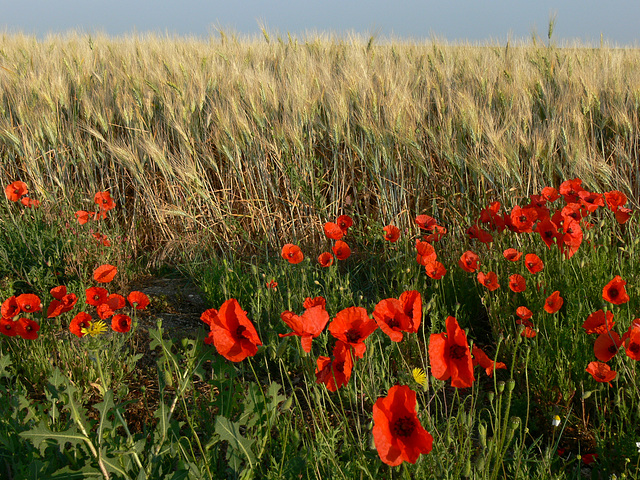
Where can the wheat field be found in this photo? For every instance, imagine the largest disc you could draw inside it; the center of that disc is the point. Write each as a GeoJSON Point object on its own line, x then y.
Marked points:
{"type": "Point", "coordinates": [230, 140]}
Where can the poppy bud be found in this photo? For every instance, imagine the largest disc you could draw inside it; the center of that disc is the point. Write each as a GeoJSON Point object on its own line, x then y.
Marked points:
{"type": "Point", "coordinates": [500, 387]}
{"type": "Point", "coordinates": [482, 433]}
{"type": "Point", "coordinates": [511, 383]}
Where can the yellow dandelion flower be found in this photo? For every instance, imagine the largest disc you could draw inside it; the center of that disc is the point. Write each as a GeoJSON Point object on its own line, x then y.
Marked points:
{"type": "Point", "coordinates": [419, 376]}
{"type": "Point", "coordinates": [95, 328]}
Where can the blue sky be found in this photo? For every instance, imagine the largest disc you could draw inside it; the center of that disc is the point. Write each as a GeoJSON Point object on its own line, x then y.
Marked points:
{"type": "Point", "coordinates": [453, 20]}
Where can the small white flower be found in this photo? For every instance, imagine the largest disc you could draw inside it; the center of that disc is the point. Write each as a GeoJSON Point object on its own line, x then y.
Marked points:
{"type": "Point", "coordinates": [638, 445]}
{"type": "Point", "coordinates": [556, 421]}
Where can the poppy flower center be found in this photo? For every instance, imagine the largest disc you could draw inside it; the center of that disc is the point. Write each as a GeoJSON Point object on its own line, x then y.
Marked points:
{"type": "Point", "coordinates": [240, 331]}
{"type": "Point", "coordinates": [28, 328]}
{"type": "Point", "coordinates": [523, 219]}
{"type": "Point", "coordinates": [612, 349]}
{"type": "Point", "coordinates": [393, 323]}
{"type": "Point", "coordinates": [457, 352]}
{"type": "Point", "coordinates": [404, 427]}
{"type": "Point", "coordinates": [613, 292]}
{"type": "Point", "coordinates": [7, 327]}
{"type": "Point", "coordinates": [352, 335]}
{"type": "Point", "coordinates": [634, 348]}
{"type": "Point", "coordinates": [27, 307]}
{"type": "Point", "coordinates": [96, 297]}
{"type": "Point", "coordinates": [339, 366]}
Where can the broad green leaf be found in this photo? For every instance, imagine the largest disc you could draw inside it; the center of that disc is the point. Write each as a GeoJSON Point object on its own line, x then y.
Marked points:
{"type": "Point", "coordinates": [42, 433]}
{"type": "Point", "coordinates": [230, 432]}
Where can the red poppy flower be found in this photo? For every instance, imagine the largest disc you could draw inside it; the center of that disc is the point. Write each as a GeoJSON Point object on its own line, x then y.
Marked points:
{"type": "Point", "coordinates": [435, 270]}
{"type": "Point", "coordinates": [533, 263]}
{"type": "Point", "coordinates": [528, 332]}
{"type": "Point", "coordinates": [474, 231]}
{"type": "Point", "coordinates": [391, 233]}
{"type": "Point", "coordinates": [397, 432]}
{"type": "Point", "coordinates": [121, 323]}
{"type": "Point", "coordinates": [14, 191]}
{"type": "Point", "coordinates": [10, 308]}
{"type": "Point", "coordinates": [571, 211]}
{"type": "Point", "coordinates": [517, 283]}
{"type": "Point", "coordinates": [105, 273]}
{"type": "Point", "coordinates": [101, 239]}
{"type": "Point", "coordinates": [27, 328]}
{"type": "Point", "coordinates": [523, 219]}
{"type": "Point", "coordinates": [469, 261]}
{"type": "Point", "coordinates": [412, 306]}
{"type": "Point", "coordinates": [550, 193]}
{"type": "Point", "coordinates": [307, 326]}
{"type": "Point", "coordinates": [606, 346]}
{"type": "Point", "coordinates": [8, 327]}
{"type": "Point", "coordinates": [548, 232]}
{"type": "Point", "coordinates": [601, 372]}
{"type": "Point", "coordinates": [539, 202]}
{"type": "Point", "coordinates": [232, 333]}
{"type": "Point", "coordinates": [325, 259]}
{"type": "Point", "coordinates": [572, 237]}
{"type": "Point", "coordinates": [292, 253]}
{"type": "Point", "coordinates": [425, 222]}
{"type": "Point", "coordinates": [104, 201]}
{"type": "Point", "coordinates": [481, 358]}
{"type": "Point", "coordinates": [29, 303]}
{"type": "Point", "coordinates": [333, 231]}
{"type": "Point", "coordinates": [489, 280]}
{"type": "Point", "coordinates": [353, 325]}
{"type": "Point", "coordinates": [623, 214]}
{"type": "Point", "coordinates": [272, 285]}
{"type": "Point", "coordinates": [632, 342]}
{"type": "Point", "coordinates": [58, 292]}
{"type": "Point", "coordinates": [337, 372]}
{"type": "Point", "coordinates": [80, 321]}
{"type": "Point", "coordinates": [438, 233]}
{"type": "Point", "coordinates": [615, 199]}
{"type": "Point", "coordinates": [426, 252]}
{"type": "Point", "coordinates": [491, 217]}
{"type": "Point", "coordinates": [512, 254]}
{"type": "Point", "coordinates": [615, 292]}
{"type": "Point", "coordinates": [30, 203]}
{"type": "Point", "coordinates": [138, 300]}
{"type": "Point", "coordinates": [569, 190]}
{"type": "Point", "coordinates": [104, 311]}
{"type": "Point", "coordinates": [553, 302]}
{"type": "Point", "coordinates": [96, 295]}
{"type": "Point", "coordinates": [450, 356]}
{"type": "Point", "coordinates": [83, 216]}
{"type": "Point", "coordinates": [596, 323]}
{"type": "Point", "coordinates": [344, 222]}
{"type": "Point", "coordinates": [591, 200]}
{"type": "Point", "coordinates": [341, 250]}
{"type": "Point", "coordinates": [312, 302]}
{"type": "Point", "coordinates": [116, 301]}
{"type": "Point", "coordinates": [524, 313]}
{"type": "Point", "coordinates": [64, 305]}
{"type": "Point", "coordinates": [390, 316]}
{"type": "Point", "coordinates": [589, 458]}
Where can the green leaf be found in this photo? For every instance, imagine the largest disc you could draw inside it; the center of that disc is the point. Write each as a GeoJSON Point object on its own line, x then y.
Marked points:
{"type": "Point", "coordinates": [104, 407]}
{"type": "Point", "coordinates": [230, 432]}
{"type": "Point", "coordinates": [41, 434]}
